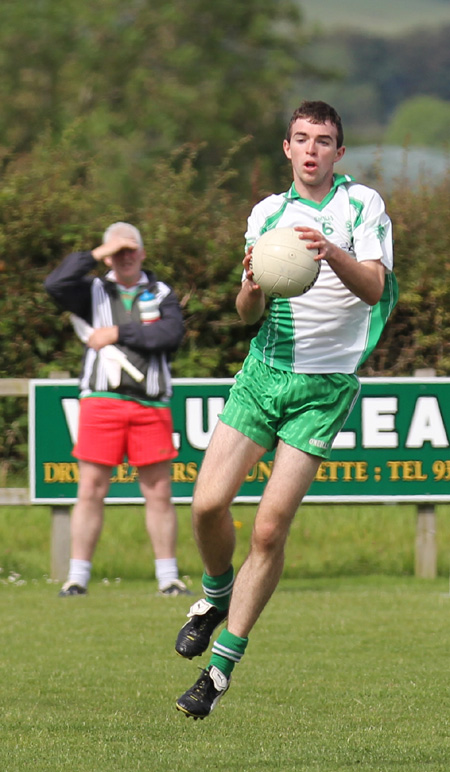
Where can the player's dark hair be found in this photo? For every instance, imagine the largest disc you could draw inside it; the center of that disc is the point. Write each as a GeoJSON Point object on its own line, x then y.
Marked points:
{"type": "Point", "coordinates": [317, 112]}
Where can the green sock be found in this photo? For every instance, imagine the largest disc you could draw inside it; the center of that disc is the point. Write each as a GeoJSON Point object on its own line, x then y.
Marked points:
{"type": "Point", "coordinates": [227, 651]}
{"type": "Point", "coordinates": [218, 589]}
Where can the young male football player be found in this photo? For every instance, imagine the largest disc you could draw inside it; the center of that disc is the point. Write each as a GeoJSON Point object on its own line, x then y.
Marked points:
{"type": "Point", "coordinates": [294, 392]}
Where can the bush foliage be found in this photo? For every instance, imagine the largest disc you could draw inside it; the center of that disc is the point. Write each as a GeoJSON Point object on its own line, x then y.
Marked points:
{"type": "Point", "coordinates": [54, 201]}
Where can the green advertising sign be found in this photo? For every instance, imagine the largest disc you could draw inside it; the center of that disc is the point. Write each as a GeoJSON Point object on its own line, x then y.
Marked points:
{"type": "Point", "coordinates": [394, 446]}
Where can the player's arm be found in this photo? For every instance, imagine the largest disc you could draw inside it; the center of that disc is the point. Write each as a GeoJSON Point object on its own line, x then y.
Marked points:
{"type": "Point", "coordinates": [364, 278]}
{"type": "Point", "coordinates": [250, 302]}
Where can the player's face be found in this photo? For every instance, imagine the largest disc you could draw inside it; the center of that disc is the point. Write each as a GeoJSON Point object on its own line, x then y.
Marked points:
{"type": "Point", "coordinates": [313, 152]}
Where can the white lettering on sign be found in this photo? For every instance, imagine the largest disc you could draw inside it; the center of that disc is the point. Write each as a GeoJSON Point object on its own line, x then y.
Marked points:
{"type": "Point", "coordinates": [378, 429]}
{"type": "Point", "coordinates": [71, 409]}
{"type": "Point", "coordinates": [427, 425]}
{"type": "Point", "coordinates": [378, 422]}
{"type": "Point", "coordinates": [344, 441]}
{"type": "Point", "coordinates": [196, 434]}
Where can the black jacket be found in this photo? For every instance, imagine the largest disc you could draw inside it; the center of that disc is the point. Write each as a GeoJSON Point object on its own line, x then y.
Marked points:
{"type": "Point", "coordinates": [147, 346]}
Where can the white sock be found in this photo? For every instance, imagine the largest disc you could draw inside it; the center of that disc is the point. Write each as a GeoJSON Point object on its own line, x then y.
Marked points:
{"type": "Point", "coordinates": [166, 570]}
{"type": "Point", "coordinates": [79, 572]}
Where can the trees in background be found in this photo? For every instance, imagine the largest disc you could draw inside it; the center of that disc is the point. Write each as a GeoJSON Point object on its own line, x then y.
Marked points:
{"type": "Point", "coordinates": [421, 120]}
{"type": "Point", "coordinates": [52, 202]}
{"type": "Point", "coordinates": [143, 77]}
{"type": "Point", "coordinates": [51, 205]}
{"type": "Point", "coordinates": [171, 115]}
{"type": "Point", "coordinates": [375, 75]}
{"type": "Point", "coordinates": [140, 78]}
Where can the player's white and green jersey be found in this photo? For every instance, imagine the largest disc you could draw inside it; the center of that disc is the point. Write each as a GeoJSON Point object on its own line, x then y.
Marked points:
{"type": "Point", "coordinates": [329, 329]}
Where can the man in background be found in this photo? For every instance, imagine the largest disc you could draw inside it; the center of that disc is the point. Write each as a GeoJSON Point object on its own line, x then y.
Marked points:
{"type": "Point", "coordinates": [131, 324]}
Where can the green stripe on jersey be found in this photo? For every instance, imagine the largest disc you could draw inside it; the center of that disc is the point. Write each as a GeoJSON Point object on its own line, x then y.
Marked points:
{"type": "Point", "coordinates": [359, 206]}
{"type": "Point", "coordinates": [379, 315]}
{"type": "Point", "coordinates": [271, 221]}
{"type": "Point", "coordinates": [275, 339]}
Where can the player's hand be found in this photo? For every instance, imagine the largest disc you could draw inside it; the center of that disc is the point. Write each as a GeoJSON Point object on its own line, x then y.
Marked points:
{"type": "Point", "coordinates": [250, 302]}
{"type": "Point", "coordinates": [103, 336]}
{"type": "Point", "coordinates": [316, 240]}
{"type": "Point", "coordinates": [248, 270]}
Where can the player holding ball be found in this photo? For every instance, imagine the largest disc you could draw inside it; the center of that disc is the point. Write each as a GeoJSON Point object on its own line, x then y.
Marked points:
{"type": "Point", "coordinates": [294, 392]}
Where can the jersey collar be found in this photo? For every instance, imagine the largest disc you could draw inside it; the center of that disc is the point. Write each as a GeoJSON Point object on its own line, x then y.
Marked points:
{"type": "Point", "coordinates": [338, 179]}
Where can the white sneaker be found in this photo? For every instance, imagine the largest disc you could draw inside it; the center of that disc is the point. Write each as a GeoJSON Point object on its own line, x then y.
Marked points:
{"type": "Point", "coordinates": [173, 588]}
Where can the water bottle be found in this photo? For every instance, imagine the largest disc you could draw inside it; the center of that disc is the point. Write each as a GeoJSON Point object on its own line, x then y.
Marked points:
{"type": "Point", "coordinates": [148, 307]}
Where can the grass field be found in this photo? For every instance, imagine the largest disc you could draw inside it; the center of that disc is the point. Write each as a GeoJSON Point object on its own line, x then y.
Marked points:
{"type": "Point", "coordinates": [340, 674]}
{"type": "Point", "coordinates": [328, 540]}
{"type": "Point", "coordinates": [347, 668]}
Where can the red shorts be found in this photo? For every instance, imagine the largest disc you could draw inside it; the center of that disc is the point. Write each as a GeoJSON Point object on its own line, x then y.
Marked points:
{"type": "Point", "coordinates": [110, 429]}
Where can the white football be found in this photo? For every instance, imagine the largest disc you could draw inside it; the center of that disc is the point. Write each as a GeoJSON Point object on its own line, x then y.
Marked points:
{"type": "Point", "coordinates": [281, 264]}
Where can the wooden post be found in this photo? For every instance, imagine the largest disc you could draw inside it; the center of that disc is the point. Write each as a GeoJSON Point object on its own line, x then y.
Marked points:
{"type": "Point", "coordinates": [426, 551]}
{"type": "Point", "coordinates": [60, 547]}
{"type": "Point", "coordinates": [60, 537]}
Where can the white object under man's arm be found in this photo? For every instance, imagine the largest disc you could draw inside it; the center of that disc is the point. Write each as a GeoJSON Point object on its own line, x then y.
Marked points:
{"type": "Point", "coordinates": [113, 358]}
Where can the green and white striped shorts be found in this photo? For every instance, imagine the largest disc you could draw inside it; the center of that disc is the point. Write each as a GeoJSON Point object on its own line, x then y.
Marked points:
{"type": "Point", "coordinates": [302, 409]}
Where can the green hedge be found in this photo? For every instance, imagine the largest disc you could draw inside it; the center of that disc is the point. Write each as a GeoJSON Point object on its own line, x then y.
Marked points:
{"type": "Point", "coordinates": [54, 201]}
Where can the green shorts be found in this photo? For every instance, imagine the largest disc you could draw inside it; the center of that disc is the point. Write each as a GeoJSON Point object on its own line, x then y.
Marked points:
{"type": "Point", "coordinates": [304, 410]}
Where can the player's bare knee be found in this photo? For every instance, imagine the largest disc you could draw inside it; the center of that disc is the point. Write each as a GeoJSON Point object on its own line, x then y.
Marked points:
{"type": "Point", "coordinates": [268, 538]}
{"type": "Point", "coordinates": [208, 510]}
